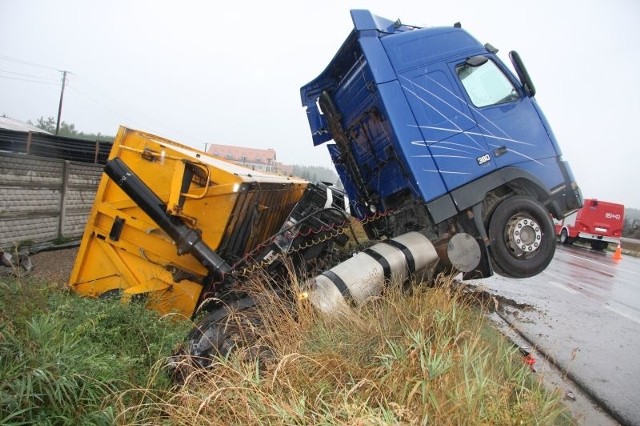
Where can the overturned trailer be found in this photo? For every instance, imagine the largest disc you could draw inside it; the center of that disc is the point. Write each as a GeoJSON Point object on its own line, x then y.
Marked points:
{"type": "Point", "coordinates": [170, 223]}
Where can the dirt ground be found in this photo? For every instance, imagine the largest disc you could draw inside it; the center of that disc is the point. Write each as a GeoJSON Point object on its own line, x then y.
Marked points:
{"type": "Point", "coordinates": [54, 265]}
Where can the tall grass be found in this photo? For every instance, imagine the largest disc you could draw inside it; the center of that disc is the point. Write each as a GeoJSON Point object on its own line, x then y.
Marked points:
{"type": "Point", "coordinates": [424, 357]}
{"type": "Point", "coordinates": [67, 360]}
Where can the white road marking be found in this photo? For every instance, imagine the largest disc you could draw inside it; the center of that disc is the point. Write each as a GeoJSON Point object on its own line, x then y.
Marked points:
{"type": "Point", "coordinates": [611, 268]}
{"type": "Point", "coordinates": [607, 307]}
{"type": "Point", "coordinates": [622, 314]}
{"type": "Point", "coordinates": [564, 287]}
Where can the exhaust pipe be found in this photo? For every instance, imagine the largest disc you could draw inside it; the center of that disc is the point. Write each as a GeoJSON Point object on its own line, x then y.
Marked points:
{"type": "Point", "coordinates": [364, 275]}
{"type": "Point", "coordinates": [187, 239]}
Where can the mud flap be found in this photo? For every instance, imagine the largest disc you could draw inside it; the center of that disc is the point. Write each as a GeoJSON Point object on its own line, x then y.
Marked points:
{"type": "Point", "coordinates": [484, 269]}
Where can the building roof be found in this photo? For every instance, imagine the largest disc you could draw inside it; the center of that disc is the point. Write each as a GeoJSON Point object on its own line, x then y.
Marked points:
{"type": "Point", "coordinates": [239, 153]}
{"type": "Point", "coordinates": [9, 123]}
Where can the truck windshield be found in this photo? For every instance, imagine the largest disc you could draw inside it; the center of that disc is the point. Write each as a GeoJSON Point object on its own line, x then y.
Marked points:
{"type": "Point", "coordinates": [486, 84]}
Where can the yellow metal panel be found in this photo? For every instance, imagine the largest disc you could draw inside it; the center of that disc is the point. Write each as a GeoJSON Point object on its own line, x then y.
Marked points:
{"type": "Point", "coordinates": [235, 210]}
{"type": "Point", "coordinates": [173, 206]}
{"type": "Point", "coordinates": [179, 298]}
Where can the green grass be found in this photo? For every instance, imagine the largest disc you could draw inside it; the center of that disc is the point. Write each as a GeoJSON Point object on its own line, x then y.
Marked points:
{"type": "Point", "coordinates": [66, 360]}
{"type": "Point", "coordinates": [425, 357]}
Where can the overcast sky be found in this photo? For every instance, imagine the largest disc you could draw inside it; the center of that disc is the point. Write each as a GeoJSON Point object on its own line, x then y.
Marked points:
{"type": "Point", "coordinates": [203, 72]}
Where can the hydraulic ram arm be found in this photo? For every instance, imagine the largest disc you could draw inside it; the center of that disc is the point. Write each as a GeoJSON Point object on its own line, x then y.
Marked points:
{"type": "Point", "coordinates": [187, 239]}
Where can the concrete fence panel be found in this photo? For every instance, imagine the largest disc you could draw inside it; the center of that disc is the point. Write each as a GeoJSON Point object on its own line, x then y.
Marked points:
{"type": "Point", "coordinates": [43, 199]}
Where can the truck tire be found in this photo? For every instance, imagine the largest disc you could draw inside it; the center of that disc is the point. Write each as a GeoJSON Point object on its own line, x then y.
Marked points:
{"type": "Point", "coordinates": [599, 245]}
{"type": "Point", "coordinates": [218, 334]}
{"type": "Point", "coordinates": [564, 238]}
{"type": "Point", "coordinates": [522, 237]}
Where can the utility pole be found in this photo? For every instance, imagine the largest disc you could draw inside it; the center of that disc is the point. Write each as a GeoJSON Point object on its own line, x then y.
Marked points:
{"type": "Point", "coordinates": [64, 80]}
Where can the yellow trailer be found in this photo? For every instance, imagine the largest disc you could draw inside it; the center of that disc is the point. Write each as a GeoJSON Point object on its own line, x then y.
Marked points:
{"type": "Point", "coordinates": [169, 221]}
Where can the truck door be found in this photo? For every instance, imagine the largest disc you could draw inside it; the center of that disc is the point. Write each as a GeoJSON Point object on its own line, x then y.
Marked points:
{"type": "Point", "coordinates": [508, 120]}
{"type": "Point", "coordinates": [447, 124]}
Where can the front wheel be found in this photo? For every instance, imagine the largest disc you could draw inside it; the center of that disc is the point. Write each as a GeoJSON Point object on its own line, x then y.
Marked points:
{"type": "Point", "coordinates": [522, 237]}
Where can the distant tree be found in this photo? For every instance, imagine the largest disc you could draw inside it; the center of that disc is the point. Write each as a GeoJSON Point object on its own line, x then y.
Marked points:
{"type": "Point", "coordinates": [316, 173]}
{"type": "Point", "coordinates": [48, 125]}
{"type": "Point", "coordinates": [631, 223]}
{"type": "Point", "coordinates": [632, 213]}
{"type": "Point", "coordinates": [68, 130]}
{"type": "Point", "coordinates": [631, 228]}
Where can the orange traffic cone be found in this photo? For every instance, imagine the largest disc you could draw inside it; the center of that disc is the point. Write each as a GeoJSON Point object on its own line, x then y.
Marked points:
{"type": "Point", "coordinates": [617, 255]}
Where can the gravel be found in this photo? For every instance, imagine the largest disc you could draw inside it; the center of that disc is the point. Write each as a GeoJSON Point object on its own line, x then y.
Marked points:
{"type": "Point", "coordinates": [54, 265]}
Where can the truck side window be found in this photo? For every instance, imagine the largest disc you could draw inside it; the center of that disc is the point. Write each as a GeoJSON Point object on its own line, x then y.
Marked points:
{"type": "Point", "coordinates": [486, 84]}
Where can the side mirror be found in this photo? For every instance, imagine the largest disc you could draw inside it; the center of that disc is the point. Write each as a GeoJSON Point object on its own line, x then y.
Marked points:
{"type": "Point", "coordinates": [523, 75]}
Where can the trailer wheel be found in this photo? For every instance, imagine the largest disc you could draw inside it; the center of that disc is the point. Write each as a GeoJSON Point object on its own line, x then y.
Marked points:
{"type": "Point", "coordinates": [113, 294]}
{"type": "Point", "coordinates": [564, 238]}
{"type": "Point", "coordinates": [522, 237]}
{"type": "Point", "coordinates": [218, 334]}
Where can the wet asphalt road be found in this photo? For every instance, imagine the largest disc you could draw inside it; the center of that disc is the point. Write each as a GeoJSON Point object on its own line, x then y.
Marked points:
{"type": "Point", "coordinates": [585, 316]}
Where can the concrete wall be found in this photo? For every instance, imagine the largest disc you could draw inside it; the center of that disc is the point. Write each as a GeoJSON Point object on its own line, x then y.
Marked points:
{"type": "Point", "coordinates": [44, 199]}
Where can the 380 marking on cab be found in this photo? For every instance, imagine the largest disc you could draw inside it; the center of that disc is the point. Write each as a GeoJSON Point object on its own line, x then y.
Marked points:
{"type": "Point", "coordinates": [483, 159]}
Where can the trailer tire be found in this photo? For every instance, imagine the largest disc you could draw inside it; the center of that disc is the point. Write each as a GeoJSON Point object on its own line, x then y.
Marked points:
{"type": "Point", "coordinates": [522, 237]}
{"type": "Point", "coordinates": [564, 238]}
{"type": "Point", "coordinates": [222, 331]}
{"type": "Point", "coordinates": [110, 295]}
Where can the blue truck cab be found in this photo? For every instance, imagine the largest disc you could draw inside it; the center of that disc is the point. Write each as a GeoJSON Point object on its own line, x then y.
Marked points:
{"type": "Point", "coordinates": [430, 131]}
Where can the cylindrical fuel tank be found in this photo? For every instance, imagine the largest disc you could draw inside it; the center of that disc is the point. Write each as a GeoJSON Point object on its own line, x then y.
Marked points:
{"type": "Point", "coordinates": [461, 252]}
{"type": "Point", "coordinates": [364, 274]}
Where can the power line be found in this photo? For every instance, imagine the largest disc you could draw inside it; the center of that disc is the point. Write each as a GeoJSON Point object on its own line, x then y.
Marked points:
{"type": "Point", "coordinates": [29, 81]}
{"type": "Point", "coordinates": [26, 75]}
{"type": "Point", "coordinates": [75, 89]}
{"type": "Point", "coordinates": [21, 61]}
{"type": "Point", "coordinates": [64, 83]}
{"type": "Point", "coordinates": [33, 64]}
{"type": "Point", "coordinates": [157, 124]}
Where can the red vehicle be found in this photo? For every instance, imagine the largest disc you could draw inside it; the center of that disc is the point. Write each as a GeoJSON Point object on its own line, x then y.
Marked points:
{"type": "Point", "coordinates": [597, 222]}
